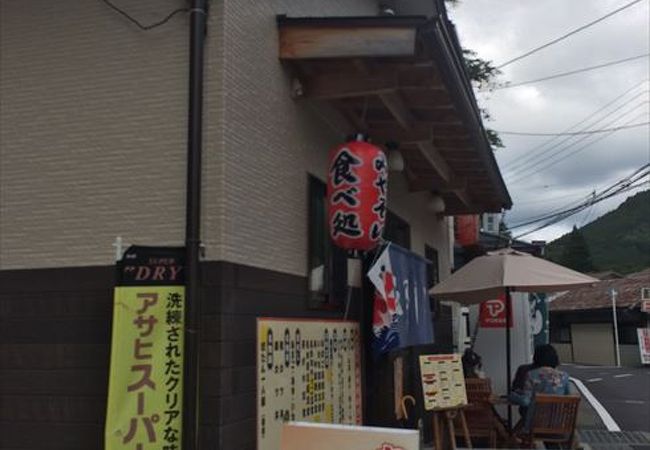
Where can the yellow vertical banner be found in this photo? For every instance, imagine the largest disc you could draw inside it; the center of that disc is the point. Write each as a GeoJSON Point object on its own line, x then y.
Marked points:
{"type": "Point", "coordinates": [145, 393]}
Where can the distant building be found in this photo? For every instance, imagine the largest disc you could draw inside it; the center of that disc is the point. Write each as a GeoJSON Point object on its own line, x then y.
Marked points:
{"type": "Point", "coordinates": [490, 222]}
{"type": "Point", "coordinates": [582, 325]}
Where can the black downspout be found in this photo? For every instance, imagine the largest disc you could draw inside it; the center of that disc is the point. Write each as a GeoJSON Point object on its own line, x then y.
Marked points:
{"type": "Point", "coordinates": [198, 28]}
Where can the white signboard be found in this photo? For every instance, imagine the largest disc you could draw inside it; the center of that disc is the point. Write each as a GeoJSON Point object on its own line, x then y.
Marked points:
{"type": "Point", "coordinates": [307, 371]}
{"type": "Point", "coordinates": [307, 436]}
{"type": "Point", "coordinates": [443, 383]}
{"type": "Point", "coordinates": [644, 344]}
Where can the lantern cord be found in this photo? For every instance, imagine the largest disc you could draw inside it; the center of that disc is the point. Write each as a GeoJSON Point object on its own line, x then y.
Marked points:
{"type": "Point", "coordinates": [348, 300]}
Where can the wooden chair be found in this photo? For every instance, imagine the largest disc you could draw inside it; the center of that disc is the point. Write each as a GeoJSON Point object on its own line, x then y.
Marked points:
{"type": "Point", "coordinates": [480, 416]}
{"type": "Point", "coordinates": [554, 420]}
{"type": "Point", "coordinates": [479, 390]}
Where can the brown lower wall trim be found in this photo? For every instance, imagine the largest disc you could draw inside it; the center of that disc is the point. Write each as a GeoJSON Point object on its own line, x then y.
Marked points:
{"type": "Point", "coordinates": [55, 344]}
{"type": "Point", "coordinates": [54, 356]}
{"type": "Point", "coordinates": [51, 436]}
{"type": "Point", "coordinates": [63, 382]}
{"type": "Point", "coordinates": [57, 279]}
{"type": "Point", "coordinates": [25, 408]}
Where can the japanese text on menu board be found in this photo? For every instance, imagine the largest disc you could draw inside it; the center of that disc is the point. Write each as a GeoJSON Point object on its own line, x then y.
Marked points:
{"type": "Point", "coordinates": [443, 383]}
{"type": "Point", "coordinates": [308, 371]}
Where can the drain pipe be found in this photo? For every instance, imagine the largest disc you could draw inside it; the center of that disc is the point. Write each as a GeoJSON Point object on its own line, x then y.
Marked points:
{"type": "Point", "coordinates": [198, 29]}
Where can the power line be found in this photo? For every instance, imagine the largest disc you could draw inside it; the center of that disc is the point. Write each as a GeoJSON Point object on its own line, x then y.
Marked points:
{"type": "Point", "coordinates": [550, 199]}
{"type": "Point", "coordinates": [552, 213]}
{"type": "Point", "coordinates": [572, 72]}
{"type": "Point", "coordinates": [140, 24]}
{"type": "Point", "coordinates": [544, 155]}
{"type": "Point", "coordinates": [626, 181]}
{"type": "Point", "coordinates": [533, 163]}
{"type": "Point", "coordinates": [530, 160]}
{"type": "Point", "coordinates": [560, 219]}
{"type": "Point", "coordinates": [575, 125]}
{"type": "Point", "coordinates": [624, 185]}
{"type": "Point", "coordinates": [570, 33]}
{"type": "Point", "coordinates": [579, 149]}
{"type": "Point", "coordinates": [577, 133]}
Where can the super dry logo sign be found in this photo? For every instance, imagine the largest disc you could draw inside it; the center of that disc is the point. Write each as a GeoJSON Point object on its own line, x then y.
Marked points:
{"type": "Point", "coordinates": [151, 265]}
{"type": "Point", "coordinates": [493, 313]}
{"type": "Point", "coordinates": [145, 386]}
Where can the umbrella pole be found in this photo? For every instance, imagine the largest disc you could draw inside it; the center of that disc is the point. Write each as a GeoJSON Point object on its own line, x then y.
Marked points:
{"type": "Point", "coordinates": [508, 351]}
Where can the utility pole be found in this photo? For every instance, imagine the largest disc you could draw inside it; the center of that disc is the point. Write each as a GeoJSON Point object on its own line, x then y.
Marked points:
{"type": "Point", "coordinates": [613, 293]}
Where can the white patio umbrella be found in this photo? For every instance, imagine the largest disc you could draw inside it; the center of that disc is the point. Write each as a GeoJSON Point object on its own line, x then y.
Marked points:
{"type": "Point", "coordinates": [502, 272]}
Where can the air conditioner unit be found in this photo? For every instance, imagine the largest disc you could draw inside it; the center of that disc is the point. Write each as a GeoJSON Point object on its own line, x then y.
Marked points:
{"type": "Point", "coordinates": [645, 293]}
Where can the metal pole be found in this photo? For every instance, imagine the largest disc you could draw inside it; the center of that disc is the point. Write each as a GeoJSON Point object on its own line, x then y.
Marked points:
{"type": "Point", "coordinates": [613, 293]}
{"type": "Point", "coordinates": [198, 19]}
{"type": "Point", "coordinates": [508, 351]}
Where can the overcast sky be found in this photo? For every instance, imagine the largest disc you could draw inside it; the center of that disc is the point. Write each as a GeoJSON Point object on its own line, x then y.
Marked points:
{"type": "Point", "coordinates": [501, 30]}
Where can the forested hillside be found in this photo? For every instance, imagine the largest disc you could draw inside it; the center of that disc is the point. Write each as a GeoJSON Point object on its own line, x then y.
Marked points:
{"type": "Point", "coordinates": [619, 240]}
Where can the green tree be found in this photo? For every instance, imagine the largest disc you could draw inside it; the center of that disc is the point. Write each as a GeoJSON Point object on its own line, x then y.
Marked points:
{"type": "Point", "coordinates": [576, 254]}
{"type": "Point", "coordinates": [483, 73]}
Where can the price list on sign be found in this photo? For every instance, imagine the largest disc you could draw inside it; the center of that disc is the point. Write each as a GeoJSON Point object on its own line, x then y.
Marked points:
{"type": "Point", "coordinates": [443, 383]}
{"type": "Point", "coordinates": [307, 371]}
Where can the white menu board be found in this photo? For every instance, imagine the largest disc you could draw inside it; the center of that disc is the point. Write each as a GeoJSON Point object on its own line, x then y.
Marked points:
{"type": "Point", "coordinates": [443, 383]}
{"type": "Point", "coordinates": [307, 371]}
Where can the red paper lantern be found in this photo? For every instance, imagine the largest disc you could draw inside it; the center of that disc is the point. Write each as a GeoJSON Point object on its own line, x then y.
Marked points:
{"type": "Point", "coordinates": [467, 230]}
{"type": "Point", "coordinates": [356, 195]}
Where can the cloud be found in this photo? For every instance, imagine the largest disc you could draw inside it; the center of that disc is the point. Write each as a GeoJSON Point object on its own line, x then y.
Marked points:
{"type": "Point", "coordinates": [499, 32]}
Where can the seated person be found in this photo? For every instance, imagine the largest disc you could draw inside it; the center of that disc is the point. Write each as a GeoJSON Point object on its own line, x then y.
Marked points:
{"type": "Point", "coordinates": [472, 364]}
{"type": "Point", "coordinates": [519, 382]}
{"type": "Point", "coordinates": [544, 379]}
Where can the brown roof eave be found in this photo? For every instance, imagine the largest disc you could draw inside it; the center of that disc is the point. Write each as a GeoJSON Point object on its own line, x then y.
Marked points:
{"type": "Point", "coordinates": [449, 59]}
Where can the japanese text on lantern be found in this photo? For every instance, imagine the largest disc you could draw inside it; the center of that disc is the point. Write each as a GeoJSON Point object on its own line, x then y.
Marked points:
{"type": "Point", "coordinates": [357, 195]}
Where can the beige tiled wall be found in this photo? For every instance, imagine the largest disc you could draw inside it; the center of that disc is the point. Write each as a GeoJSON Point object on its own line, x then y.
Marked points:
{"type": "Point", "coordinates": [93, 135]}
{"type": "Point", "coordinates": [93, 129]}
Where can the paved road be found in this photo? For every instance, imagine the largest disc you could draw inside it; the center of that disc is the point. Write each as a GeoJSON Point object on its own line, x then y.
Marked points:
{"type": "Point", "coordinates": [624, 392]}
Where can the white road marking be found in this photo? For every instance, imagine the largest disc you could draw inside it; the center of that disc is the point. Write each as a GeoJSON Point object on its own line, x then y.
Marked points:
{"type": "Point", "coordinates": [635, 402]}
{"type": "Point", "coordinates": [600, 409]}
{"type": "Point", "coordinates": [591, 380]}
{"type": "Point", "coordinates": [623, 375]}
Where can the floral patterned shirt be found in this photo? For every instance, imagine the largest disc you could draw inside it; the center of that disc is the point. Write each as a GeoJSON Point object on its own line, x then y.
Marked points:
{"type": "Point", "coordinates": [544, 380]}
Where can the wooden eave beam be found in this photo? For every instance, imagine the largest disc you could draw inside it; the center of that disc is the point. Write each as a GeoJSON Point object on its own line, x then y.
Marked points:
{"type": "Point", "coordinates": [340, 41]}
{"type": "Point", "coordinates": [331, 87]}
{"type": "Point", "coordinates": [403, 115]}
{"type": "Point", "coordinates": [458, 184]}
{"type": "Point", "coordinates": [405, 118]}
{"type": "Point", "coordinates": [436, 161]}
{"type": "Point", "coordinates": [412, 136]}
{"type": "Point", "coordinates": [394, 103]}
